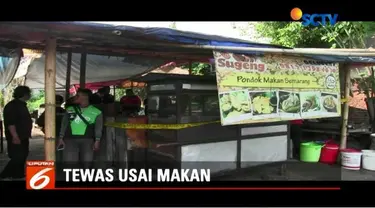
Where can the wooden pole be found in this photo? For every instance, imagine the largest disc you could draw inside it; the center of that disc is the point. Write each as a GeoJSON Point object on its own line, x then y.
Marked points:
{"type": "Point", "coordinates": [68, 71]}
{"type": "Point", "coordinates": [50, 102]}
{"type": "Point", "coordinates": [345, 68]}
{"type": "Point", "coordinates": [82, 70]}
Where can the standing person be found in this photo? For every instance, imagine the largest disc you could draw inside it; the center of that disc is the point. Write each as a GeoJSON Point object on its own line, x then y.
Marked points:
{"type": "Point", "coordinates": [130, 103]}
{"type": "Point", "coordinates": [18, 127]}
{"type": "Point", "coordinates": [59, 114]}
{"type": "Point", "coordinates": [105, 95]}
{"type": "Point", "coordinates": [95, 99]}
{"type": "Point", "coordinates": [70, 102]}
{"type": "Point", "coordinates": [81, 130]}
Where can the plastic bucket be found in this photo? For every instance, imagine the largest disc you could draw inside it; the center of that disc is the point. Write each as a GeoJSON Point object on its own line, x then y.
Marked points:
{"type": "Point", "coordinates": [329, 154]}
{"type": "Point", "coordinates": [310, 152]}
{"type": "Point", "coordinates": [351, 159]}
{"type": "Point", "coordinates": [368, 159]}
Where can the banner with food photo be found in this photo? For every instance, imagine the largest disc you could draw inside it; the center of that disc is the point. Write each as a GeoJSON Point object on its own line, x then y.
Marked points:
{"type": "Point", "coordinates": [271, 88]}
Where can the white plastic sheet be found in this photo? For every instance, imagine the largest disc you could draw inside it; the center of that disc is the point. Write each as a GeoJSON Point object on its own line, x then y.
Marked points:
{"type": "Point", "coordinates": [98, 69]}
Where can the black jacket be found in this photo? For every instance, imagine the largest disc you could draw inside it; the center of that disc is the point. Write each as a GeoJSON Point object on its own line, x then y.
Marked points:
{"type": "Point", "coordinates": [59, 115]}
{"type": "Point", "coordinates": [17, 114]}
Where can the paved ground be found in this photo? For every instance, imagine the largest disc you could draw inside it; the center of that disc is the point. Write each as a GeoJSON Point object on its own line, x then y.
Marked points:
{"type": "Point", "coordinates": [292, 170]}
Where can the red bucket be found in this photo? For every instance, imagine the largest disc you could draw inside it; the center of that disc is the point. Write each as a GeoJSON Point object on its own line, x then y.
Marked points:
{"type": "Point", "coordinates": [329, 153]}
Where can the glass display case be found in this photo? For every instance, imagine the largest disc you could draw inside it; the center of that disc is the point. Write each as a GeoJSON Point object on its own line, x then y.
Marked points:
{"type": "Point", "coordinates": [181, 99]}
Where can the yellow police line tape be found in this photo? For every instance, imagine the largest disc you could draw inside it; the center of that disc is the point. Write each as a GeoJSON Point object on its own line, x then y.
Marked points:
{"type": "Point", "coordinates": [156, 126]}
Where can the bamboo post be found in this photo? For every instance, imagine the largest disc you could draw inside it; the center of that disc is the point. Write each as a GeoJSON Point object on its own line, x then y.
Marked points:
{"type": "Point", "coordinates": [50, 102]}
{"type": "Point", "coordinates": [68, 72]}
{"type": "Point", "coordinates": [345, 111]}
{"type": "Point", "coordinates": [82, 70]}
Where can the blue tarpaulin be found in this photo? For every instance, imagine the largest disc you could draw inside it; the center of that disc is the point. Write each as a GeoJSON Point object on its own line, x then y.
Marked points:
{"type": "Point", "coordinates": [177, 36]}
{"type": "Point", "coordinates": [134, 45]}
{"type": "Point", "coordinates": [121, 40]}
{"type": "Point", "coordinates": [184, 37]}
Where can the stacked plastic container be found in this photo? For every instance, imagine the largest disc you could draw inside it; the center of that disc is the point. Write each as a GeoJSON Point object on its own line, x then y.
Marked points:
{"type": "Point", "coordinates": [328, 152]}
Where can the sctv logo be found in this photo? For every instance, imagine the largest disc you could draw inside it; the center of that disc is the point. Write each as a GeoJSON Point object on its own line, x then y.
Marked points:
{"type": "Point", "coordinates": [313, 19]}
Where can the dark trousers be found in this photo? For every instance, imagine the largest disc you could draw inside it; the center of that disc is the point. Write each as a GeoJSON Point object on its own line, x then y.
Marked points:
{"type": "Point", "coordinates": [18, 154]}
{"type": "Point", "coordinates": [296, 134]}
{"type": "Point", "coordinates": [78, 152]}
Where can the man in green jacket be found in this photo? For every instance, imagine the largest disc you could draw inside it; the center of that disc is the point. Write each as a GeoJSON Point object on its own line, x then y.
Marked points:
{"type": "Point", "coordinates": [81, 131]}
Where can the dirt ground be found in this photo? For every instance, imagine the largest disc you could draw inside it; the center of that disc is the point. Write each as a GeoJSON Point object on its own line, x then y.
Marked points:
{"type": "Point", "coordinates": [281, 171]}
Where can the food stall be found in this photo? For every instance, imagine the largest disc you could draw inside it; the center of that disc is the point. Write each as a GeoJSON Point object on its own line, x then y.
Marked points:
{"type": "Point", "coordinates": [187, 47]}
{"type": "Point", "coordinates": [238, 118]}
{"type": "Point", "coordinates": [196, 139]}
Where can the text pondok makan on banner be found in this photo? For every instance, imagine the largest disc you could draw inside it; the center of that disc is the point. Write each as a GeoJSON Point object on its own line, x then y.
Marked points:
{"type": "Point", "coordinates": [272, 88]}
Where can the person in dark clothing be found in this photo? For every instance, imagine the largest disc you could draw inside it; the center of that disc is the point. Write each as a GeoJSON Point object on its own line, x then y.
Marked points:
{"type": "Point", "coordinates": [18, 127]}
{"type": "Point", "coordinates": [70, 102]}
{"type": "Point", "coordinates": [95, 99]}
{"type": "Point", "coordinates": [130, 103]}
{"type": "Point", "coordinates": [104, 94]}
{"type": "Point", "coordinates": [59, 114]}
{"type": "Point", "coordinates": [81, 131]}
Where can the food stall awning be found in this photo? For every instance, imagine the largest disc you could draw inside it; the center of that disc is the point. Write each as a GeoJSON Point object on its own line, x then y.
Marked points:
{"type": "Point", "coordinates": [160, 43]}
{"type": "Point", "coordinates": [105, 39]}
{"type": "Point", "coordinates": [140, 49]}
{"type": "Point", "coordinates": [123, 50]}
{"type": "Point", "coordinates": [101, 70]}
{"type": "Point", "coordinates": [167, 69]}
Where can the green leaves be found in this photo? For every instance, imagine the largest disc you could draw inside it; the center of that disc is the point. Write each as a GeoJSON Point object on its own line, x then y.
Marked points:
{"type": "Point", "coordinates": [198, 68]}
{"type": "Point", "coordinates": [341, 35]}
{"type": "Point", "coordinates": [36, 100]}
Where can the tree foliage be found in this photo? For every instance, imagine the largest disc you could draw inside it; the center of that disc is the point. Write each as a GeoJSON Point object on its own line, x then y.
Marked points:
{"type": "Point", "coordinates": [119, 92]}
{"type": "Point", "coordinates": [198, 68]}
{"type": "Point", "coordinates": [37, 99]}
{"type": "Point", "coordinates": [340, 35]}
